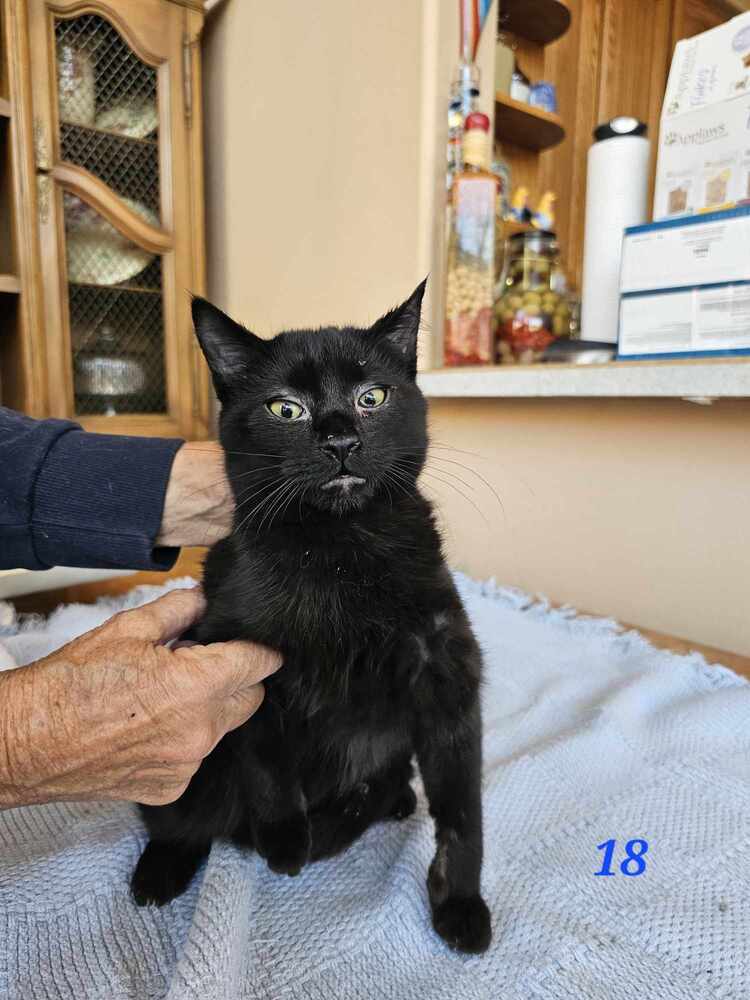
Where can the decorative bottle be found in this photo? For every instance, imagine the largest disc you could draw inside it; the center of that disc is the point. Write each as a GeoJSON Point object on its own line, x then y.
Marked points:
{"type": "Point", "coordinates": [464, 95]}
{"type": "Point", "coordinates": [468, 336]}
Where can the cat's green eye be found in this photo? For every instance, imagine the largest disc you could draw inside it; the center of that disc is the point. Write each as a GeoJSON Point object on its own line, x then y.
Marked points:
{"type": "Point", "coordinates": [373, 397]}
{"type": "Point", "coordinates": [287, 409]}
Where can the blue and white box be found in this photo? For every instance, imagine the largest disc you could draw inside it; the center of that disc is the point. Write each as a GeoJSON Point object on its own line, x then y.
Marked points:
{"type": "Point", "coordinates": [685, 287]}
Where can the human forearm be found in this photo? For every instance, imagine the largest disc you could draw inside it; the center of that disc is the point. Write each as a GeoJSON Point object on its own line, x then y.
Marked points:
{"type": "Point", "coordinates": [15, 694]}
{"type": "Point", "coordinates": [39, 738]}
{"type": "Point", "coordinates": [70, 498]}
{"type": "Point", "coordinates": [198, 504]}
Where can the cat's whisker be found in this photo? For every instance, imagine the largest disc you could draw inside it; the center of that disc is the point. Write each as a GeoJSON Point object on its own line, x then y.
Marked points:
{"type": "Point", "coordinates": [280, 494]}
{"type": "Point", "coordinates": [487, 483]}
{"type": "Point", "coordinates": [296, 492]}
{"type": "Point", "coordinates": [243, 497]}
{"type": "Point", "coordinates": [301, 499]}
{"type": "Point", "coordinates": [276, 506]}
{"type": "Point", "coordinates": [249, 472]}
{"type": "Point", "coordinates": [268, 499]}
{"type": "Point", "coordinates": [453, 475]}
{"type": "Point", "coordinates": [402, 475]}
{"type": "Point", "coordinates": [444, 447]}
{"type": "Point", "coordinates": [386, 484]}
{"type": "Point", "coordinates": [417, 468]}
{"type": "Point", "coordinates": [388, 489]}
{"type": "Point", "coordinates": [275, 500]}
{"type": "Point", "coordinates": [398, 482]}
{"type": "Point", "coordinates": [446, 482]}
{"type": "Point", "coordinates": [240, 475]}
{"type": "Point", "coordinates": [259, 505]}
{"type": "Point", "coordinates": [268, 475]}
{"type": "Point", "coordinates": [247, 454]}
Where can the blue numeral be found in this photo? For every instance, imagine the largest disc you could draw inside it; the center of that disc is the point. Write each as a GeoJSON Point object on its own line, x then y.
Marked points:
{"type": "Point", "coordinates": [609, 849]}
{"type": "Point", "coordinates": [635, 857]}
{"type": "Point", "coordinates": [634, 851]}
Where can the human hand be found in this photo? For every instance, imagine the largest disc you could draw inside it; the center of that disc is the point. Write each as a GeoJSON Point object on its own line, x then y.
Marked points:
{"type": "Point", "coordinates": [198, 505]}
{"type": "Point", "coordinates": [116, 714]}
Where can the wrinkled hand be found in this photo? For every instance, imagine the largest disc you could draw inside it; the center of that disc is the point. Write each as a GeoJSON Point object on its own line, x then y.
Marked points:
{"type": "Point", "coordinates": [116, 714]}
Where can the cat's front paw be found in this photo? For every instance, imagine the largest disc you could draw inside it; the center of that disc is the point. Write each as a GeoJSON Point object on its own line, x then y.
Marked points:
{"type": "Point", "coordinates": [464, 923]}
{"type": "Point", "coordinates": [163, 872]}
{"type": "Point", "coordinates": [285, 844]}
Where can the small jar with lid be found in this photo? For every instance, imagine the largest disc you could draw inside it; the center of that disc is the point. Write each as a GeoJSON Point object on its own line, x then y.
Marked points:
{"type": "Point", "coordinates": [530, 313]}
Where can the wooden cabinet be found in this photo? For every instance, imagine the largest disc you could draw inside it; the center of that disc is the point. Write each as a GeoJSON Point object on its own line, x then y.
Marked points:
{"type": "Point", "coordinates": [106, 175]}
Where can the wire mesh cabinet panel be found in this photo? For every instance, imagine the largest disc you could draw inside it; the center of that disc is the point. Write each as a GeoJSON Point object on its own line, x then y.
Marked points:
{"type": "Point", "coordinates": [119, 192]}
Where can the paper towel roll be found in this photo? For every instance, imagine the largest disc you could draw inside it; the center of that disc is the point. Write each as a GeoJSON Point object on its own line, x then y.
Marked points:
{"type": "Point", "coordinates": [616, 197]}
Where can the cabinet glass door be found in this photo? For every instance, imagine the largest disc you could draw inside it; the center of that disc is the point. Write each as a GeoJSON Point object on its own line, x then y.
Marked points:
{"type": "Point", "coordinates": [108, 121]}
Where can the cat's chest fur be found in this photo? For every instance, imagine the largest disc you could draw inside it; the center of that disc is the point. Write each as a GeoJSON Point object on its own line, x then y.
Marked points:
{"type": "Point", "coordinates": [354, 611]}
{"type": "Point", "coordinates": [330, 590]}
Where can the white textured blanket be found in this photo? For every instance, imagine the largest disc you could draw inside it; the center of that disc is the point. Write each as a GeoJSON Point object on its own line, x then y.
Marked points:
{"type": "Point", "coordinates": [590, 736]}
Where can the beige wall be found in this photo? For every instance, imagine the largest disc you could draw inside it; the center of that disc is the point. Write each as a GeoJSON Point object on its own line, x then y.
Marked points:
{"type": "Point", "coordinates": [323, 139]}
{"type": "Point", "coordinates": [312, 158]}
{"type": "Point", "coordinates": [634, 508]}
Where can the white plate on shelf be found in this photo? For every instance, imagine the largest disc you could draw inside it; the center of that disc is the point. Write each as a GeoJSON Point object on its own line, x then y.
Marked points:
{"type": "Point", "coordinates": [134, 119]}
{"type": "Point", "coordinates": [97, 252]}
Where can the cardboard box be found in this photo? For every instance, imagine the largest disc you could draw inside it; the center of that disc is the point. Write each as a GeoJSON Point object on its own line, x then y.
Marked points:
{"type": "Point", "coordinates": [704, 136]}
{"type": "Point", "coordinates": [685, 287]}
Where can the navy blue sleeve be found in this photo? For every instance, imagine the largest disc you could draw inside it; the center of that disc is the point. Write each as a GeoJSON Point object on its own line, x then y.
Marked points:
{"type": "Point", "coordinates": [70, 498]}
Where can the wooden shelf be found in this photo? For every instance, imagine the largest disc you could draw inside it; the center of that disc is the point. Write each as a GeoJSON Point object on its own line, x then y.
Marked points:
{"type": "Point", "coordinates": [138, 289]}
{"type": "Point", "coordinates": [108, 133]}
{"type": "Point", "coordinates": [697, 380]}
{"type": "Point", "coordinates": [10, 284]}
{"type": "Point", "coordinates": [540, 21]}
{"type": "Point", "coordinates": [4, 108]}
{"type": "Point", "coordinates": [523, 125]}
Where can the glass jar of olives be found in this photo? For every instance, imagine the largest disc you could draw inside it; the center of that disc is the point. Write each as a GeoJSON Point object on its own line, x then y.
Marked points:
{"type": "Point", "coordinates": [529, 313]}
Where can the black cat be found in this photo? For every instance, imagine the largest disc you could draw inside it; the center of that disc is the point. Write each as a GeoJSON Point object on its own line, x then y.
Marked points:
{"type": "Point", "coordinates": [335, 561]}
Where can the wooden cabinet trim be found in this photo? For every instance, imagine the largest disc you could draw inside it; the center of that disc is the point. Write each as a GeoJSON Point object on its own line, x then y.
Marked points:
{"type": "Point", "coordinates": [87, 186]}
{"type": "Point", "coordinates": [143, 28]}
{"type": "Point", "coordinates": [203, 410]}
{"type": "Point", "coordinates": [30, 345]}
{"type": "Point", "coordinates": [141, 424]}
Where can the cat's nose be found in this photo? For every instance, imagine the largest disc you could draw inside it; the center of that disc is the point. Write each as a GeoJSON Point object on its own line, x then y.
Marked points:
{"type": "Point", "coordinates": [340, 446]}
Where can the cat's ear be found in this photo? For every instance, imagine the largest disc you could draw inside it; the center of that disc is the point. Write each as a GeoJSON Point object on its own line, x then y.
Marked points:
{"type": "Point", "coordinates": [229, 348]}
{"type": "Point", "coordinates": [400, 326]}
